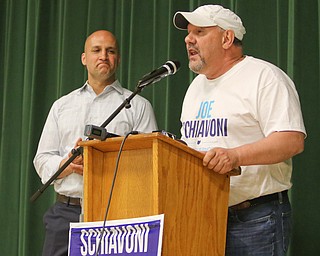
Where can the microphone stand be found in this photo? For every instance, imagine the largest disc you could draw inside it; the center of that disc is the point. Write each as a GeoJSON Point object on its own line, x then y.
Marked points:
{"type": "Point", "coordinates": [78, 151]}
{"type": "Point", "coordinates": [126, 104]}
{"type": "Point", "coordinates": [75, 152]}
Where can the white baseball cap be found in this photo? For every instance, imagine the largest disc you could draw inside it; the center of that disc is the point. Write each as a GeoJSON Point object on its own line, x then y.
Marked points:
{"type": "Point", "coordinates": [210, 15]}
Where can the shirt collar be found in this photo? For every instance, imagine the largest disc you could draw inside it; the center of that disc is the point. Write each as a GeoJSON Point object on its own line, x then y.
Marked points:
{"type": "Point", "coordinates": [115, 85]}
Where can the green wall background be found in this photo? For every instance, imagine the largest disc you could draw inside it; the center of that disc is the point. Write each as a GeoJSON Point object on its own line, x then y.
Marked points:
{"type": "Point", "coordinates": [40, 46]}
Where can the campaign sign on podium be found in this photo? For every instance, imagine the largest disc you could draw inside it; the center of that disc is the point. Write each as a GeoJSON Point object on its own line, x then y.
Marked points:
{"type": "Point", "coordinates": [135, 236]}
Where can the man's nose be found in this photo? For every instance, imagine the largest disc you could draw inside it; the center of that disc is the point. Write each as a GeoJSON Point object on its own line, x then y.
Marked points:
{"type": "Point", "coordinates": [104, 55]}
{"type": "Point", "coordinates": [189, 39]}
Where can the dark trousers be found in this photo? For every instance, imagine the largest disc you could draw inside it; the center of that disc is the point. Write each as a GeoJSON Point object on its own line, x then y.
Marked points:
{"type": "Point", "coordinates": [57, 222]}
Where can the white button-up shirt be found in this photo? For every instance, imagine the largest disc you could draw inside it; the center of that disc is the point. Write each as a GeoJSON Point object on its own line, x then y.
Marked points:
{"type": "Point", "coordinates": [66, 122]}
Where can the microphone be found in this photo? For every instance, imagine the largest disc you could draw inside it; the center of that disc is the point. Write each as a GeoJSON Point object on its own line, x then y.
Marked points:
{"type": "Point", "coordinates": [169, 68]}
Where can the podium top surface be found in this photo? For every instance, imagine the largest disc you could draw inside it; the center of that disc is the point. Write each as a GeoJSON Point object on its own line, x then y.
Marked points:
{"type": "Point", "coordinates": [138, 141]}
{"type": "Point", "coordinates": [141, 141]}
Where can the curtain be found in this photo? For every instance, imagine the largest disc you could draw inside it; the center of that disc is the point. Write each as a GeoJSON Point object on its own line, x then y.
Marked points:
{"type": "Point", "coordinates": [40, 47]}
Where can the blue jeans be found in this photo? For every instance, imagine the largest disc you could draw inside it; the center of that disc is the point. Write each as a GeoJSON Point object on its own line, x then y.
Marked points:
{"type": "Point", "coordinates": [261, 230]}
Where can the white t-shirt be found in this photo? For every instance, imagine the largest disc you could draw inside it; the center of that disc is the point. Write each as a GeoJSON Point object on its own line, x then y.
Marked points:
{"type": "Point", "coordinates": [246, 104]}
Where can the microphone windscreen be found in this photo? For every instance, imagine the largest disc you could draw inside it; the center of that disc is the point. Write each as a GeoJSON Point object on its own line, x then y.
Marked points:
{"type": "Point", "coordinates": [174, 66]}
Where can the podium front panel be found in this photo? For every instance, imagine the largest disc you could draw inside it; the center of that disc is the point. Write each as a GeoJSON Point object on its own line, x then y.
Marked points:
{"type": "Point", "coordinates": [159, 175]}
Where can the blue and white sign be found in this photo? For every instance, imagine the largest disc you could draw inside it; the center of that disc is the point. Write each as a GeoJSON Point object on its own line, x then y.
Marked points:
{"type": "Point", "coordinates": [137, 236]}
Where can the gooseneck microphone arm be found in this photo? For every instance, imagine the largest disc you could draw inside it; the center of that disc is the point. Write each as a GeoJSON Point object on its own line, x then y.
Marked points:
{"type": "Point", "coordinates": [99, 132]}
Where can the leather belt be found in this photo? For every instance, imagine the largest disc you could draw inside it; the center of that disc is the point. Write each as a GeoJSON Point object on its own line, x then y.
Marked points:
{"type": "Point", "coordinates": [280, 196]}
{"type": "Point", "coordinates": [68, 200]}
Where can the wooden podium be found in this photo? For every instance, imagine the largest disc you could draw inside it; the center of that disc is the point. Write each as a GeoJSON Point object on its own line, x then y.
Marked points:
{"type": "Point", "coordinates": [159, 175]}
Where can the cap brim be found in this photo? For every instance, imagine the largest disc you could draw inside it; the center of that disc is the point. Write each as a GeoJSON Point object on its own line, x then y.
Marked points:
{"type": "Point", "coordinates": [179, 21]}
{"type": "Point", "coordinates": [182, 19]}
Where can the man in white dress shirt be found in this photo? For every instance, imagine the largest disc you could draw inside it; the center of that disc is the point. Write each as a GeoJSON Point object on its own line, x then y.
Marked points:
{"type": "Point", "coordinates": [93, 103]}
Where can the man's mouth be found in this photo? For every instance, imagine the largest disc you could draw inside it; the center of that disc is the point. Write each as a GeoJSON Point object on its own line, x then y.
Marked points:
{"type": "Point", "coordinates": [103, 64]}
{"type": "Point", "coordinates": [192, 52]}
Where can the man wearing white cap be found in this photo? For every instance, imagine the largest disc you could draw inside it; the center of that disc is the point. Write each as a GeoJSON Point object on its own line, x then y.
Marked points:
{"type": "Point", "coordinates": [242, 111]}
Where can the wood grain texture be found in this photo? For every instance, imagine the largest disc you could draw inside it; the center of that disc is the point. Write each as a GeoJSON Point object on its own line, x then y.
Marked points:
{"type": "Point", "coordinates": [159, 175]}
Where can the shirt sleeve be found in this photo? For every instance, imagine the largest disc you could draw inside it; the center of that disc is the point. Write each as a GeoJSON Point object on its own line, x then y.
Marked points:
{"type": "Point", "coordinates": [279, 107]}
{"type": "Point", "coordinates": [47, 158]}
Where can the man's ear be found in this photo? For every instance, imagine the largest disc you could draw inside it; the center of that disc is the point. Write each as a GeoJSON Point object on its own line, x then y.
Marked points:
{"type": "Point", "coordinates": [227, 39]}
{"type": "Point", "coordinates": [83, 59]}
